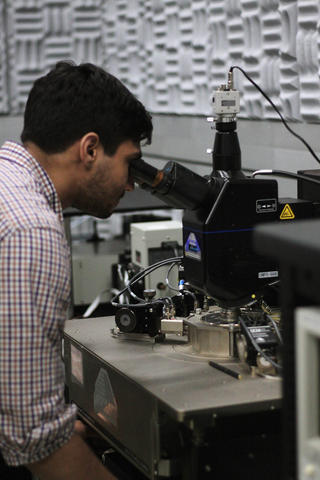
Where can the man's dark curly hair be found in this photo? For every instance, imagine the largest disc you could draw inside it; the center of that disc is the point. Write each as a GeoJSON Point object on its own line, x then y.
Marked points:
{"type": "Point", "coordinates": [72, 100]}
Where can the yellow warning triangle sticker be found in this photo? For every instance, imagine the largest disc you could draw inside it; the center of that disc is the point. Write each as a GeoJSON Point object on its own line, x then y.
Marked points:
{"type": "Point", "coordinates": [287, 213]}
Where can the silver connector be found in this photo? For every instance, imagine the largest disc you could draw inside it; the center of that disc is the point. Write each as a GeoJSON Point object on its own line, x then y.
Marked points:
{"type": "Point", "coordinates": [230, 80]}
{"type": "Point", "coordinates": [172, 325]}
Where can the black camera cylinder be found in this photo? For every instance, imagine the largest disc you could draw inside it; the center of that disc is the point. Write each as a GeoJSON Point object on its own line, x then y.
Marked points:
{"type": "Point", "coordinates": [226, 154]}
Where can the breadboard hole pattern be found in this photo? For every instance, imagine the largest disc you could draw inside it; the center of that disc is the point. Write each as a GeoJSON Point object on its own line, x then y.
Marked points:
{"type": "Point", "coordinates": [171, 54]}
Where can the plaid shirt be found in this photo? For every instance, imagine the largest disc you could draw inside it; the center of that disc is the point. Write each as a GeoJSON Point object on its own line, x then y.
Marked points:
{"type": "Point", "coordinates": [34, 297]}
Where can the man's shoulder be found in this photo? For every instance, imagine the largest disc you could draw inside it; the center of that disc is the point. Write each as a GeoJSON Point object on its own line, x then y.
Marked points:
{"type": "Point", "coordinates": [22, 206]}
{"type": "Point", "coordinates": [23, 201]}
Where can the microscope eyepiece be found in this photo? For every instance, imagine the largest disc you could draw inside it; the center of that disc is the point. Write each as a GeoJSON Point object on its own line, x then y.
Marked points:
{"type": "Point", "coordinates": [175, 184]}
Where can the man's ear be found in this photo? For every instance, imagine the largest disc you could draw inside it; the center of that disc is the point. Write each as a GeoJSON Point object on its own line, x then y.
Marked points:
{"type": "Point", "coordinates": [88, 149]}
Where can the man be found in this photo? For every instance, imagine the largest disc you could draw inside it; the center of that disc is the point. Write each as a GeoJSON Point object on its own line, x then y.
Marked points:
{"type": "Point", "coordinates": [82, 128]}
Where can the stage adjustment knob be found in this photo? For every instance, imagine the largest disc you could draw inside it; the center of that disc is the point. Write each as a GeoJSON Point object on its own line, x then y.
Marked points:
{"type": "Point", "coordinates": [126, 320]}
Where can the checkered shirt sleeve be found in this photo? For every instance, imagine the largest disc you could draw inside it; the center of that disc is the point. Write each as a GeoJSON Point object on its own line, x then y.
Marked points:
{"type": "Point", "coordinates": [34, 296]}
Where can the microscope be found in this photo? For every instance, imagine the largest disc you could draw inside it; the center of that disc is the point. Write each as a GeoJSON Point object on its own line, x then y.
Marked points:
{"type": "Point", "coordinates": [221, 211]}
{"type": "Point", "coordinates": [229, 317]}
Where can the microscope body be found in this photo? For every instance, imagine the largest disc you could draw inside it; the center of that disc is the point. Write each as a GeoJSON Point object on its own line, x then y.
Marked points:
{"type": "Point", "coordinates": [220, 212]}
{"type": "Point", "coordinates": [218, 251]}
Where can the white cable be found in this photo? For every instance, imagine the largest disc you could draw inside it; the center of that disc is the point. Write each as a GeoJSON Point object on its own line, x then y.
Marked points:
{"type": "Point", "coordinates": [94, 304]}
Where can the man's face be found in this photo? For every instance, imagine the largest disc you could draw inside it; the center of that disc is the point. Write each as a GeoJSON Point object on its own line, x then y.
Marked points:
{"type": "Point", "coordinates": [100, 193]}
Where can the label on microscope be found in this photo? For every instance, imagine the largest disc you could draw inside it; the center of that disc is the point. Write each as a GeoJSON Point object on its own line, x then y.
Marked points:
{"type": "Point", "coordinates": [266, 205]}
{"type": "Point", "coordinates": [191, 248]}
{"type": "Point", "coordinates": [273, 274]}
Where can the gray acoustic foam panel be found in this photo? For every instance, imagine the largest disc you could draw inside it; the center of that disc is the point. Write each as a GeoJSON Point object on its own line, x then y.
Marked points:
{"type": "Point", "coordinates": [171, 54]}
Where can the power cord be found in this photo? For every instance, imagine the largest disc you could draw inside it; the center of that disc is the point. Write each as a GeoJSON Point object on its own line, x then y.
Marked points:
{"type": "Point", "coordinates": [277, 110]}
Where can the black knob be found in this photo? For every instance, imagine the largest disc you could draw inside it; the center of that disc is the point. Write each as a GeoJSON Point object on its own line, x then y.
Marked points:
{"type": "Point", "coordinates": [126, 320]}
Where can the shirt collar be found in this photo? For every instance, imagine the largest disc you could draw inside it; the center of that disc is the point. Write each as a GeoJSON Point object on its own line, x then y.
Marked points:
{"type": "Point", "coordinates": [20, 155]}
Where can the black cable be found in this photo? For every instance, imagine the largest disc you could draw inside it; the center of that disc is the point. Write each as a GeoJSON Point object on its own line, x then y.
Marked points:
{"type": "Point", "coordinates": [167, 279]}
{"type": "Point", "coordinates": [278, 111]}
{"type": "Point", "coordinates": [195, 300]}
{"type": "Point", "coordinates": [276, 328]}
{"type": "Point", "coordinates": [140, 275]}
{"type": "Point", "coordinates": [154, 266]}
{"type": "Point", "coordinates": [133, 295]}
{"type": "Point", "coordinates": [283, 173]}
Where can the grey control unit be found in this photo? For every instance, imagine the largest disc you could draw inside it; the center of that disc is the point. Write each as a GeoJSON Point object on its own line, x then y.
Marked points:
{"type": "Point", "coordinates": [165, 410]}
